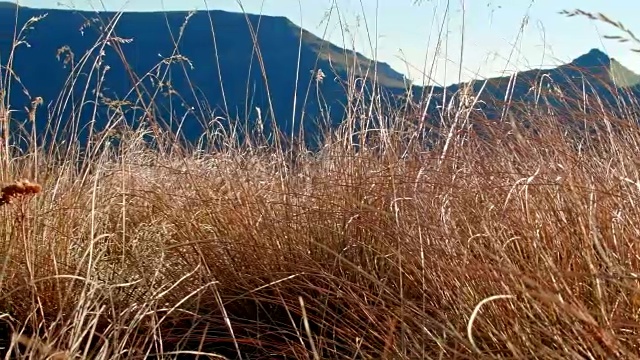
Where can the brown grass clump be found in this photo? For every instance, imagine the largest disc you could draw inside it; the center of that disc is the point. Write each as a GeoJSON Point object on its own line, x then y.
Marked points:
{"type": "Point", "coordinates": [18, 189]}
{"type": "Point", "coordinates": [517, 244]}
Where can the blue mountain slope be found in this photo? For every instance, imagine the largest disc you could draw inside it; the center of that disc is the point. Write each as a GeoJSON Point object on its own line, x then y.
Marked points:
{"type": "Point", "coordinates": [227, 77]}
{"type": "Point", "coordinates": [199, 75]}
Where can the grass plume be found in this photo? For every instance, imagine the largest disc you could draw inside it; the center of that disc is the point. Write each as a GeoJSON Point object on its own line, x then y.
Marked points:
{"type": "Point", "coordinates": [18, 189]}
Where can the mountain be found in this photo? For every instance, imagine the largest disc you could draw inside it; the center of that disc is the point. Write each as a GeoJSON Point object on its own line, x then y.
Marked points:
{"type": "Point", "coordinates": [62, 43]}
{"type": "Point", "coordinates": [7, 5]}
{"type": "Point", "coordinates": [226, 77]}
{"type": "Point", "coordinates": [592, 74]}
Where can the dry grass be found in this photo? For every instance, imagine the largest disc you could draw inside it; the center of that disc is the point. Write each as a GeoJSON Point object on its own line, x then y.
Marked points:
{"type": "Point", "coordinates": [500, 241]}
{"type": "Point", "coordinates": [517, 246]}
{"type": "Point", "coordinates": [19, 189]}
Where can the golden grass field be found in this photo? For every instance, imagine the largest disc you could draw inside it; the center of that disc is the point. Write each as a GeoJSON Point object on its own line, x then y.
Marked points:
{"type": "Point", "coordinates": [520, 243]}
{"type": "Point", "coordinates": [523, 245]}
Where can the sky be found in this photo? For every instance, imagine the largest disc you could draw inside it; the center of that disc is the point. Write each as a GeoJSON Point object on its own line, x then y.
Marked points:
{"type": "Point", "coordinates": [435, 41]}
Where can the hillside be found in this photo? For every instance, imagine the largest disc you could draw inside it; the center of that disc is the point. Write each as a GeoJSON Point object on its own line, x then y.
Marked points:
{"type": "Point", "coordinates": [144, 40]}
{"type": "Point", "coordinates": [592, 74]}
{"type": "Point", "coordinates": [225, 78]}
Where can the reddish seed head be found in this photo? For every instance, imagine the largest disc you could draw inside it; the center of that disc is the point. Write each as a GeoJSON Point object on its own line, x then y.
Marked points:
{"type": "Point", "coordinates": [19, 188]}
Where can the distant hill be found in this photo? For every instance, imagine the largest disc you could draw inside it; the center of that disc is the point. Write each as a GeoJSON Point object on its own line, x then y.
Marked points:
{"type": "Point", "coordinates": [7, 5]}
{"type": "Point", "coordinates": [145, 39]}
{"type": "Point", "coordinates": [593, 73]}
{"type": "Point", "coordinates": [65, 39]}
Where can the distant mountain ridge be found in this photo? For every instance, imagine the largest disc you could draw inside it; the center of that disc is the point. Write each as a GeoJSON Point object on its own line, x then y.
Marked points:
{"type": "Point", "coordinates": [7, 5]}
{"type": "Point", "coordinates": [232, 64]}
{"type": "Point", "coordinates": [591, 74]}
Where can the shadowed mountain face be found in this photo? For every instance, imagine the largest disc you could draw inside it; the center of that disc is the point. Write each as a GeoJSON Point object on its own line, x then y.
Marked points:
{"type": "Point", "coordinates": [173, 58]}
{"type": "Point", "coordinates": [196, 67]}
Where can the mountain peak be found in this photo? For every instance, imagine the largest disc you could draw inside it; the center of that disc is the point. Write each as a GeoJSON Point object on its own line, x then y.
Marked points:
{"type": "Point", "coordinates": [593, 58]}
{"type": "Point", "coordinates": [599, 62]}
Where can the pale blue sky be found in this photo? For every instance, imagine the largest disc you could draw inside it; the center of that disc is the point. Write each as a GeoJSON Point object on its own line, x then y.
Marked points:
{"type": "Point", "coordinates": [492, 29]}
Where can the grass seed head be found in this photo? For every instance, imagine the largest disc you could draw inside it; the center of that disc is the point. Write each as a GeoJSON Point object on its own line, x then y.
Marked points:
{"type": "Point", "coordinates": [18, 189]}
